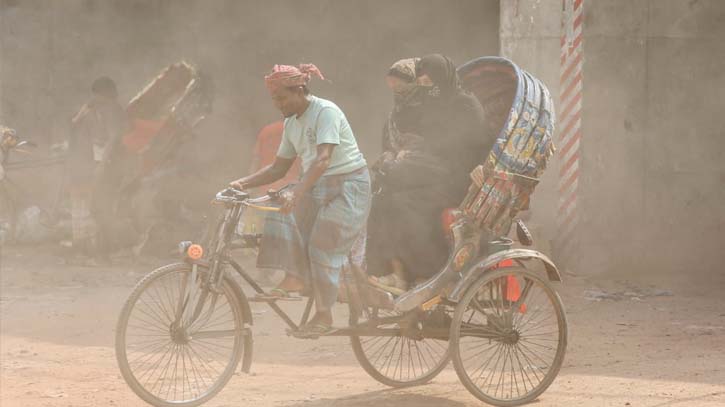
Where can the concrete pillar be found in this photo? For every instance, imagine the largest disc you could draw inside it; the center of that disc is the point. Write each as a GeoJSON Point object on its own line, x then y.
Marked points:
{"type": "Point", "coordinates": [529, 33]}
{"type": "Point", "coordinates": [652, 176]}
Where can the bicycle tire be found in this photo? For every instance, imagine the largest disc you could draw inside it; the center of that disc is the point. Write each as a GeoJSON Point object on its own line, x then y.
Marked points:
{"type": "Point", "coordinates": [242, 342]}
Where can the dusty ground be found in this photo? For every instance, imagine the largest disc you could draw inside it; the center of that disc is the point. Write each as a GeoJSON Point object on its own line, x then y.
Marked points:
{"type": "Point", "coordinates": [628, 349]}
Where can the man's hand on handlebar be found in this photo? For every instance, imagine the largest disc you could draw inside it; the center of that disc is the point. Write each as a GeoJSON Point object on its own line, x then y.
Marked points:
{"type": "Point", "coordinates": [237, 184]}
{"type": "Point", "coordinates": [288, 199]}
{"type": "Point", "coordinates": [265, 176]}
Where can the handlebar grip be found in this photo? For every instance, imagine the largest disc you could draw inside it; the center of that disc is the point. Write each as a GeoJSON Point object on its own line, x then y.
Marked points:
{"type": "Point", "coordinates": [232, 192]}
{"type": "Point", "coordinates": [273, 193]}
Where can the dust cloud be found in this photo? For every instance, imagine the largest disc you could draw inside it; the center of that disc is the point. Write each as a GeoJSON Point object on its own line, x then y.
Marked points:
{"type": "Point", "coordinates": [51, 51]}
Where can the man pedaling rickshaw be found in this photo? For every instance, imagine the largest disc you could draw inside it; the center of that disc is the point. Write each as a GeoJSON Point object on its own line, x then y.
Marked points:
{"type": "Point", "coordinates": [434, 139]}
{"type": "Point", "coordinates": [322, 216]}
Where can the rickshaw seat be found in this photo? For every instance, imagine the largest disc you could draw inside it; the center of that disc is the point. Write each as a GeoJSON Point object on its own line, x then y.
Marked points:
{"type": "Point", "coordinates": [448, 217]}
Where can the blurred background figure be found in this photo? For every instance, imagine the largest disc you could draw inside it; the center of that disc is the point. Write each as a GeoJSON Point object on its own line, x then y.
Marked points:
{"type": "Point", "coordinates": [96, 171]}
{"type": "Point", "coordinates": [264, 153]}
{"type": "Point", "coordinates": [8, 140]}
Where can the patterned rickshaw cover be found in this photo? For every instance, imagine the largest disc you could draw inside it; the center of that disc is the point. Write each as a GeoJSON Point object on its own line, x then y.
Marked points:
{"type": "Point", "coordinates": [520, 106]}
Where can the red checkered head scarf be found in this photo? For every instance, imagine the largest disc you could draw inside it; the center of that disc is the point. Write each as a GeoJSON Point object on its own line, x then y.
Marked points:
{"type": "Point", "coordinates": [287, 76]}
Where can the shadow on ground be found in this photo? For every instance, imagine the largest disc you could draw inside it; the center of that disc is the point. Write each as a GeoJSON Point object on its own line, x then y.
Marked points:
{"type": "Point", "coordinates": [383, 398]}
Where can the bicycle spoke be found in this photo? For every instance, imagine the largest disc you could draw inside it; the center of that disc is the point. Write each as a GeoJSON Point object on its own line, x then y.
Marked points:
{"type": "Point", "coordinates": [524, 375]}
{"type": "Point", "coordinates": [156, 361]}
{"type": "Point", "coordinates": [496, 346]}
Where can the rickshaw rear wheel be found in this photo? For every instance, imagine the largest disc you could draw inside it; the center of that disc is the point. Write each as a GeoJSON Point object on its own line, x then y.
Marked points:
{"type": "Point", "coordinates": [398, 361]}
{"type": "Point", "coordinates": [508, 337]}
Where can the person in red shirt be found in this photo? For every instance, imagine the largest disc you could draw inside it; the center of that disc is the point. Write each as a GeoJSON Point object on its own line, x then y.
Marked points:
{"type": "Point", "coordinates": [265, 152]}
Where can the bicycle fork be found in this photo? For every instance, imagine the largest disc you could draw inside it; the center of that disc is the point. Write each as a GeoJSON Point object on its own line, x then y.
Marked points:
{"type": "Point", "coordinates": [193, 300]}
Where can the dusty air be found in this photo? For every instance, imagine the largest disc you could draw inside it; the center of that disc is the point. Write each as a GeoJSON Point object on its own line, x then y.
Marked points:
{"type": "Point", "coordinates": [353, 203]}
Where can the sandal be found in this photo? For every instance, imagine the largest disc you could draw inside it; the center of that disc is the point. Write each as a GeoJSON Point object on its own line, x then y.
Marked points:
{"type": "Point", "coordinates": [275, 294]}
{"type": "Point", "coordinates": [313, 330]}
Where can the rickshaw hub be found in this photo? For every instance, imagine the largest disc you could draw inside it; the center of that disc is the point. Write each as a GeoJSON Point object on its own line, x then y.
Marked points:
{"type": "Point", "coordinates": [179, 335]}
{"type": "Point", "coordinates": [510, 336]}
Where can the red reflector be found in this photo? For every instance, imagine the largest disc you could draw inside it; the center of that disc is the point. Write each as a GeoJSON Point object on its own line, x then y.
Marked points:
{"type": "Point", "coordinates": [505, 263]}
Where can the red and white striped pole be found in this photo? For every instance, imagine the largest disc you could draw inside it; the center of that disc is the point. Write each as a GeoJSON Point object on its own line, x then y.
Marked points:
{"type": "Point", "coordinates": [570, 134]}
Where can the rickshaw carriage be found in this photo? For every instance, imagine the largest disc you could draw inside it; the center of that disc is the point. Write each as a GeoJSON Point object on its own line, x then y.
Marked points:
{"type": "Point", "coordinates": [501, 324]}
{"type": "Point", "coordinates": [162, 117]}
{"type": "Point", "coordinates": [163, 114]}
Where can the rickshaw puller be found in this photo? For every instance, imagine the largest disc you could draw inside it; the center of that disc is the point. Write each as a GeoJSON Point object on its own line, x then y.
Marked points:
{"type": "Point", "coordinates": [323, 215]}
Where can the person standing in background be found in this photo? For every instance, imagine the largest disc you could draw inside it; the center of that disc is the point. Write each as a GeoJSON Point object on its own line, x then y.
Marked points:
{"type": "Point", "coordinates": [96, 171]}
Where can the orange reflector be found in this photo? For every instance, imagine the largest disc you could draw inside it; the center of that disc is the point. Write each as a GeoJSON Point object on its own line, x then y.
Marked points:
{"type": "Point", "coordinates": [513, 291]}
{"type": "Point", "coordinates": [195, 252]}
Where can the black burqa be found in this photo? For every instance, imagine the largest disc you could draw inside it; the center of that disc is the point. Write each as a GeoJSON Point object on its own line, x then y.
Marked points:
{"type": "Point", "coordinates": [446, 126]}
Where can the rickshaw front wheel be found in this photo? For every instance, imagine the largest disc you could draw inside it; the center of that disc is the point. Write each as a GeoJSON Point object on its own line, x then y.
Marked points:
{"type": "Point", "coordinates": [172, 352]}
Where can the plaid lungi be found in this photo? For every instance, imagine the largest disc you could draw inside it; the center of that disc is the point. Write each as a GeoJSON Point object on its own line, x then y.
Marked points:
{"type": "Point", "coordinates": [314, 242]}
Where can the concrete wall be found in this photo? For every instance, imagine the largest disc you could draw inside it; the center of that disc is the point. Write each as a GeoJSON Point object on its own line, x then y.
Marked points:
{"type": "Point", "coordinates": [653, 178]}
{"type": "Point", "coordinates": [50, 51]}
{"type": "Point", "coordinates": [529, 34]}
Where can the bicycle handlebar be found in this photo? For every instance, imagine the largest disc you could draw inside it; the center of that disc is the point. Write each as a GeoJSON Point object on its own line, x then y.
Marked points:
{"type": "Point", "coordinates": [233, 195]}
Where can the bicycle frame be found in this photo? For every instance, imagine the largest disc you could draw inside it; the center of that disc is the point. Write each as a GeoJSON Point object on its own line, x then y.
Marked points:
{"type": "Point", "coordinates": [219, 257]}
{"type": "Point", "coordinates": [221, 245]}
{"type": "Point", "coordinates": [409, 305]}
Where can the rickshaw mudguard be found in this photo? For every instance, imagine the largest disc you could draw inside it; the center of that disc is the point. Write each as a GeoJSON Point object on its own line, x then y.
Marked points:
{"type": "Point", "coordinates": [491, 261]}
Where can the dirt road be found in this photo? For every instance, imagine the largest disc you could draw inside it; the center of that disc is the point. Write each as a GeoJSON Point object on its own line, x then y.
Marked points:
{"type": "Point", "coordinates": [631, 344]}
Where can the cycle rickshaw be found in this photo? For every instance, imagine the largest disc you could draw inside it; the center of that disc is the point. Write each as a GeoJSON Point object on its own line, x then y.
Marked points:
{"type": "Point", "coordinates": [186, 326]}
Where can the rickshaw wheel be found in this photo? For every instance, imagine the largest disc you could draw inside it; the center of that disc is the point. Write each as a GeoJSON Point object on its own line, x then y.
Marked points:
{"type": "Point", "coordinates": [401, 360]}
{"type": "Point", "coordinates": [507, 352]}
{"type": "Point", "coordinates": [164, 363]}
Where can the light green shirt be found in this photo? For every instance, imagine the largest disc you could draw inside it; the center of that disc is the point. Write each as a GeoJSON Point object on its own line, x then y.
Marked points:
{"type": "Point", "coordinates": [322, 123]}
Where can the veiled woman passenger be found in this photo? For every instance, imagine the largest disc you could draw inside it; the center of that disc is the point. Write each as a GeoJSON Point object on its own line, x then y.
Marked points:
{"type": "Point", "coordinates": [433, 139]}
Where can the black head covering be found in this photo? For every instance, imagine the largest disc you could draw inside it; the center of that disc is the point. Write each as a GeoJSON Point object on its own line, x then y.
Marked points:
{"type": "Point", "coordinates": [442, 71]}
{"type": "Point", "coordinates": [104, 86]}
